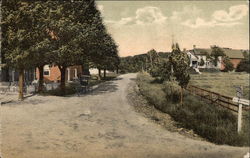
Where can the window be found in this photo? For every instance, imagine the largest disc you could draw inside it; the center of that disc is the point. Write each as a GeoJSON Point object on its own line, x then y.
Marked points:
{"type": "Point", "coordinates": [46, 73]}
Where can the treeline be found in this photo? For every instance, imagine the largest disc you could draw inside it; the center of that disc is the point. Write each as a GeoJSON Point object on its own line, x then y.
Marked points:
{"type": "Point", "coordinates": [59, 33]}
{"type": "Point", "coordinates": [140, 62]}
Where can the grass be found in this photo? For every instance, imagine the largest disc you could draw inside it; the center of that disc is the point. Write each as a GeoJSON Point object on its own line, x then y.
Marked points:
{"type": "Point", "coordinates": [222, 82]}
{"type": "Point", "coordinates": [211, 122]}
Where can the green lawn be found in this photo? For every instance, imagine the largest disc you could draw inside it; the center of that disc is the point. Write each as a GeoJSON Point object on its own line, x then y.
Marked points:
{"type": "Point", "coordinates": [222, 82]}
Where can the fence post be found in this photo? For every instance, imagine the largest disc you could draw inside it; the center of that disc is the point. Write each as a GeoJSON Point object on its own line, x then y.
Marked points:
{"type": "Point", "coordinates": [239, 117]}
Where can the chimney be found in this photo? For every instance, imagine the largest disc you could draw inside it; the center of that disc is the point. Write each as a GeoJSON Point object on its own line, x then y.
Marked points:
{"type": "Point", "coordinates": [194, 46]}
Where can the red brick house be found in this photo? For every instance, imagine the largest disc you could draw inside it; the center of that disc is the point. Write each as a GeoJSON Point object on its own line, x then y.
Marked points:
{"type": "Point", "coordinates": [235, 56]}
{"type": "Point", "coordinates": [53, 74]}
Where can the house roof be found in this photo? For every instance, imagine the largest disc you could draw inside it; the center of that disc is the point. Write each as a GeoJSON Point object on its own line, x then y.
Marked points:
{"type": "Point", "coordinates": [231, 53]}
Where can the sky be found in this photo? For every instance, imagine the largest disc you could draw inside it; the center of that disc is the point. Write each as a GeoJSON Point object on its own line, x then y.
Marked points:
{"type": "Point", "coordinates": [139, 26]}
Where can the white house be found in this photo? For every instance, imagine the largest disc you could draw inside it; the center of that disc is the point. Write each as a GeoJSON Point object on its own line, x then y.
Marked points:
{"type": "Point", "coordinates": [198, 58]}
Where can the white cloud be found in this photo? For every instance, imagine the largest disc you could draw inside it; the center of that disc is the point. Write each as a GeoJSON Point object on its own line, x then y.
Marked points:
{"type": "Point", "coordinates": [220, 18]}
{"type": "Point", "coordinates": [199, 22]}
{"type": "Point", "coordinates": [149, 15]}
{"type": "Point", "coordinates": [188, 11]}
{"type": "Point", "coordinates": [235, 13]}
{"type": "Point", "coordinates": [143, 16]}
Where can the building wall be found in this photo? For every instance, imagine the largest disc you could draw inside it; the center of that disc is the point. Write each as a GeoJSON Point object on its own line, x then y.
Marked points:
{"type": "Point", "coordinates": [235, 63]}
{"type": "Point", "coordinates": [55, 74]}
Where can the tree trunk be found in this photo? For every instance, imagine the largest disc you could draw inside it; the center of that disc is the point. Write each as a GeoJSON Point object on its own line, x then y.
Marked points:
{"type": "Point", "coordinates": [117, 70]}
{"type": "Point", "coordinates": [21, 84]}
{"type": "Point", "coordinates": [62, 84]}
{"type": "Point", "coordinates": [104, 73]}
{"type": "Point", "coordinates": [181, 96]}
{"type": "Point", "coordinates": [99, 73]}
{"type": "Point", "coordinates": [41, 79]}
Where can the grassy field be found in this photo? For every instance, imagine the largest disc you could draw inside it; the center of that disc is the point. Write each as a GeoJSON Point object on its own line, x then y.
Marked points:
{"type": "Point", "coordinates": [212, 122]}
{"type": "Point", "coordinates": [222, 82]}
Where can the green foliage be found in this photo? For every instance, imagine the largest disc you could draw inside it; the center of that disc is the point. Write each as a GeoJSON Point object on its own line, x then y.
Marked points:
{"type": "Point", "coordinates": [142, 63]}
{"type": "Point", "coordinates": [216, 53]}
{"type": "Point", "coordinates": [180, 62]}
{"type": "Point", "coordinates": [210, 121]}
{"type": "Point", "coordinates": [17, 39]}
{"type": "Point", "coordinates": [154, 94]}
{"type": "Point", "coordinates": [202, 63]}
{"type": "Point", "coordinates": [132, 64]}
{"type": "Point", "coordinates": [228, 65]}
{"type": "Point", "coordinates": [172, 91]}
{"type": "Point", "coordinates": [244, 64]}
{"type": "Point", "coordinates": [61, 33]}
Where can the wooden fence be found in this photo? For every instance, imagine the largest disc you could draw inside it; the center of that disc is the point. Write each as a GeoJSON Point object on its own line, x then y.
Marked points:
{"type": "Point", "coordinates": [215, 98]}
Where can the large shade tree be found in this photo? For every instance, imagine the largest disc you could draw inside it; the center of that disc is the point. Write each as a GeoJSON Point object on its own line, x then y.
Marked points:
{"type": "Point", "coordinates": [42, 38]}
{"type": "Point", "coordinates": [62, 33]}
{"type": "Point", "coordinates": [18, 36]}
{"type": "Point", "coordinates": [75, 27]}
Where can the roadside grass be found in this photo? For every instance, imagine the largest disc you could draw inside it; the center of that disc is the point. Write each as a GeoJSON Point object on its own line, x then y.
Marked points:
{"type": "Point", "coordinates": [211, 122]}
{"type": "Point", "coordinates": [71, 88]}
{"type": "Point", "coordinates": [222, 82]}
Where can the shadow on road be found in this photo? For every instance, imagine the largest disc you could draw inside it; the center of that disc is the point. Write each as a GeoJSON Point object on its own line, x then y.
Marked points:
{"type": "Point", "coordinates": [106, 87]}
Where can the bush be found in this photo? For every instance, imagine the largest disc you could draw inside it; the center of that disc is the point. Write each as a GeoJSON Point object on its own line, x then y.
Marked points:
{"type": "Point", "coordinates": [172, 91]}
{"type": "Point", "coordinates": [244, 65]}
{"type": "Point", "coordinates": [228, 65]}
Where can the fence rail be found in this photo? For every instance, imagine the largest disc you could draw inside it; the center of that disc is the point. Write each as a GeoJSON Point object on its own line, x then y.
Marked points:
{"type": "Point", "coordinates": [216, 98]}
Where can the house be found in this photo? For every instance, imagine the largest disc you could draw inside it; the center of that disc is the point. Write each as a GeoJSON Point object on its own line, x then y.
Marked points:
{"type": "Point", "coordinates": [199, 57]}
{"type": "Point", "coordinates": [53, 74]}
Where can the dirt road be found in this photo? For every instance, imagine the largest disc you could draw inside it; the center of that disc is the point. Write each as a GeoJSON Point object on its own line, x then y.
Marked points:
{"type": "Point", "coordinates": [101, 124]}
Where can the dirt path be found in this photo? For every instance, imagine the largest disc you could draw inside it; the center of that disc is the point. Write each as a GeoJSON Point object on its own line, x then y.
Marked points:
{"type": "Point", "coordinates": [101, 124]}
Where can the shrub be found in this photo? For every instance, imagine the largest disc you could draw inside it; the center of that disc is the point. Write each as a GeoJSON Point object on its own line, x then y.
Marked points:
{"type": "Point", "coordinates": [172, 91]}
{"type": "Point", "coordinates": [228, 65]}
{"type": "Point", "coordinates": [244, 65]}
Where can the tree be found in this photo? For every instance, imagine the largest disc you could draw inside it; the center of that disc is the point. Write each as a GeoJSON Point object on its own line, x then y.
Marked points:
{"type": "Point", "coordinates": [42, 37]}
{"type": "Point", "coordinates": [152, 57]}
{"type": "Point", "coordinates": [180, 63]}
{"type": "Point", "coordinates": [244, 64]}
{"type": "Point", "coordinates": [110, 58]}
{"type": "Point", "coordinates": [216, 53]}
{"type": "Point", "coordinates": [75, 27]}
{"type": "Point", "coordinates": [202, 62]}
{"type": "Point", "coordinates": [17, 28]}
{"type": "Point", "coordinates": [228, 65]}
